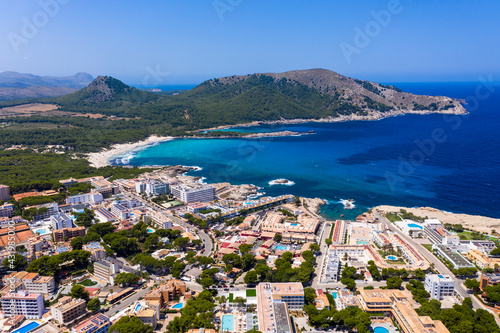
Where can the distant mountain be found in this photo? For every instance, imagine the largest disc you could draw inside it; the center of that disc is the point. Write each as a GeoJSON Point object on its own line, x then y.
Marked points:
{"type": "Point", "coordinates": [14, 85]}
{"type": "Point", "coordinates": [315, 94]}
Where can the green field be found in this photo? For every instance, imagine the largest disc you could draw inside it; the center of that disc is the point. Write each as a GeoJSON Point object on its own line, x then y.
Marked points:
{"type": "Point", "coordinates": [251, 292]}
{"type": "Point", "coordinates": [88, 283]}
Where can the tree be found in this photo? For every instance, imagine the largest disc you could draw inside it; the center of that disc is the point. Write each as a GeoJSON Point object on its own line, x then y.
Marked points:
{"type": "Point", "coordinates": [16, 262]}
{"type": "Point", "coordinates": [328, 241]}
{"type": "Point", "coordinates": [247, 261]}
{"type": "Point", "coordinates": [128, 324]}
{"type": "Point", "coordinates": [419, 274]}
{"type": "Point", "coordinates": [277, 238]}
{"type": "Point", "coordinates": [126, 278]}
{"type": "Point", "coordinates": [78, 291]}
{"type": "Point", "coordinates": [240, 301]}
{"type": "Point", "coordinates": [349, 283]}
{"type": "Point", "coordinates": [77, 243]}
{"type": "Point", "coordinates": [314, 247]}
{"type": "Point", "coordinates": [251, 277]}
{"type": "Point", "coordinates": [94, 305]}
{"type": "Point", "coordinates": [233, 259]}
{"type": "Point", "coordinates": [245, 248]}
{"type": "Point", "coordinates": [472, 284]}
{"type": "Point", "coordinates": [394, 282]}
{"type": "Point", "coordinates": [309, 295]}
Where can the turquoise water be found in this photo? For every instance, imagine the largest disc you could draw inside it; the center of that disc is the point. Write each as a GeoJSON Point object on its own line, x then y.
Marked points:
{"type": "Point", "coordinates": [413, 225]}
{"type": "Point", "coordinates": [150, 230]}
{"type": "Point", "coordinates": [227, 323]}
{"type": "Point", "coordinates": [295, 224]}
{"type": "Point", "coordinates": [41, 232]}
{"type": "Point", "coordinates": [392, 257]}
{"type": "Point", "coordinates": [380, 329]}
{"type": "Point", "coordinates": [372, 162]}
{"type": "Point", "coordinates": [334, 294]}
{"type": "Point", "coordinates": [362, 242]}
{"type": "Point", "coordinates": [281, 247]}
{"type": "Point", "coordinates": [27, 328]}
{"type": "Point", "coordinates": [177, 306]}
{"type": "Point", "coordinates": [137, 308]}
{"type": "Point", "coordinates": [440, 276]}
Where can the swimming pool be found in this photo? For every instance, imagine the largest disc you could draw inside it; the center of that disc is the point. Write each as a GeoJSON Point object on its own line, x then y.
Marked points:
{"type": "Point", "coordinates": [27, 328]}
{"type": "Point", "coordinates": [178, 306]}
{"type": "Point", "coordinates": [294, 224]}
{"type": "Point", "coordinates": [413, 225]}
{"type": "Point", "coordinates": [137, 308]}
{"type": "Point", "coordinates": [281, 247]}
{"type": "Point", "coordinates": [380, 329]}
{"type": "Point", "coordinates": [150, 230]}
{"type": "Point", "coordinates": [227, 323]}
{"type": "Point", "coordinates": [41, 232]}
{"type": "Point", "coordinates": [334, 294]}
{"type": "Point", "coordinates": [362, 242]}
{"type": "Point", "coordinates": [392, 257]}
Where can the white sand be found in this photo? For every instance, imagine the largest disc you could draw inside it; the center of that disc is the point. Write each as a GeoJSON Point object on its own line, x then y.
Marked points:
{"type": "Point", "coordinates": [101, 159]}
{"type": "Point", "coordinates": [473, 222]}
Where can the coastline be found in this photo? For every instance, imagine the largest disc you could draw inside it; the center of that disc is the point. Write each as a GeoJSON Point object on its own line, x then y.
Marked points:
{"type": "Point", "coordinates": [101, 159]}
{"type": "Point", "coordinates": [474, 222]}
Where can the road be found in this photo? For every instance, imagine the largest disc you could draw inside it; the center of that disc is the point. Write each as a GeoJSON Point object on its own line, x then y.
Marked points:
{"type": "Point", "coordinates": [459, 286]}
{"type": "Point", "coordinates": [327, 226]}
{"type": "Point", "coordinates": [207, 241]}
{"type": "Point", "coordinates": [126, 302]}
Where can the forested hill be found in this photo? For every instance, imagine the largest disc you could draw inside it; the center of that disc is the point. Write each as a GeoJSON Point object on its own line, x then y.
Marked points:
{"type": "Point", "coordinates": [123, 113]}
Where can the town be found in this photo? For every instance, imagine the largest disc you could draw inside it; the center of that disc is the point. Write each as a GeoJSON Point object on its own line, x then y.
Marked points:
{"type": "Point", "coordinates": [167, 252]}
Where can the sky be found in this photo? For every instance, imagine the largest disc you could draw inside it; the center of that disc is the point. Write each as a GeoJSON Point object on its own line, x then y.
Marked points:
{"type": "Point", "coordinates": [160, 42]}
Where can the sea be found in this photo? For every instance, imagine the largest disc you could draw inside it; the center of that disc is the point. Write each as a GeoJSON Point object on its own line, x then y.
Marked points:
{"type": "Point", "coordinates": [450, 162]}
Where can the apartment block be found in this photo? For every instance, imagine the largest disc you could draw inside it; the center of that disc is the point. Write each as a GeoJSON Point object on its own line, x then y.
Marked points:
{"type": "Point", "coordinates": [4, 193]}
{"type": "Point", "coordinates": [60, 221]}
{"type": "Point", "coordinates": [158, 220]}
{"type": "Point", "coordinates": [482, 260]}
{"type": "Point", "coordinates": [7, 210]}
{"type": "Point", "coordinates": [273, 302]}
{"type": "Point", "coordinates": [23, 303]}
{"type": "Point", "coordinates": [96, 249]}
{"type": "Point", "coordinates": [437, 234]}
{"type": "Point", "coordinates": [339, 232]}
{"type": "Point", "coordinates": [489, 279]}
{"type": "Point", "coordinates": [106, 270]}
{"type": "Point", "coordinates": [32, 282]}
{"type": "Point", "coordinates": [93, 197]}
{"type": "Point", "coordinates": [95, 324]}
{"type": "Point", "coordinates": [68, 233]}
{"type": "Point", "coordinates": [188, 194]}
{"type": "Point", "coordinates": [439, 286]}
{"type": "Point", "coordinates": [68, 310]}
{"type": "Point", "coordinates": [166, 292]}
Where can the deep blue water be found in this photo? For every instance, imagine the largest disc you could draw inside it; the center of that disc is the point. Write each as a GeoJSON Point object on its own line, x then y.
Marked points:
{"type": "Point", "coordinates": [448, 162]}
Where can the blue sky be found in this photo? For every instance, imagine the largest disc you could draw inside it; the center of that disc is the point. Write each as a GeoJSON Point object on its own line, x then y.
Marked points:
{"type": "Point", "coordinates": [161, 42]}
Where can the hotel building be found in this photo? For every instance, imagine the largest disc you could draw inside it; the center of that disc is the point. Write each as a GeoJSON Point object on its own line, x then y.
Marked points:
{"type": "Point", "coordinates": [93, 197]}
{"type": "Point", "coordinates": [23, 303]}
{"type": "Point", "coordinates": [7, 210]}
{"type": "Point", "coordinates": [339, 232]}
{"type": "Point", "coordinates": [4, 193]}
{"type": "Point", "coordinates": [188, 194]}
{"type": "Point", "coordinates": [32, 282]}
{"type": "Point", "coordinates": [60, 221]}
{"type": "Point", "coordinates": [95, 324]}
{"type": "Point", "coordinates": [68, 233]}
{"type": "Point", "coordinates": [273, 301]}
{"type": "Point", "coordinates": [439, 286]}
{"type": "Point", "coordinates": [482, 260]}
{"type": "Point", "coordinates": [106, 270]}
{"type": "Point", "coordinates": [67, 310]}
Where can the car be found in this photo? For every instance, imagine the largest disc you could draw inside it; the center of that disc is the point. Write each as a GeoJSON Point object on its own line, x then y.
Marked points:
{"type": "Point", "coordinates": [116, 311]}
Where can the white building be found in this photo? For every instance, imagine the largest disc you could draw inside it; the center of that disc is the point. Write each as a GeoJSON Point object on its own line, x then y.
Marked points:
{"type": "Point", "coordinates": [60, 221]}
{"type": "Point", "coordinates": [23, 303]}
{"type": "Point", "coordinates": [106, 270]}
{"type": "Point", "coordinates": [156, 188]}
{"type": "Point", "coordinates": [52, 209]}
{"type": "Point", "coordinates": [193, 194]}
{"type": "Point", "coordinates": [439, 285]}
{"type": "Point", "coordinates": [158, 220]}
{"type": "Point", "coordinates": [93, 197]}
{"type": "Point", "coordinates": [120, 211]}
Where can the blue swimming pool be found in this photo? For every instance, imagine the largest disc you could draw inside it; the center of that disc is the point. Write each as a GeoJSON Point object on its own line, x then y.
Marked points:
{"type": "Point", "coordinates": [281, 247]}
{"type": "Point", "coordinates": [392, 257]}
{"type": "Point", "coordinates": [137, 308]}
{"type": "Point", "coordinates": [150, 230]}
{"type": "Point", "coordinates": [41, 232]}
{"type": "Point", "coordinates": [380, 329]}
{"type": "Point", "coordinates": [27, 328]}
{"type": "Point", "coordinates": [227, 323]}
{"type": "Point", "coordinates": [295, 224]}
{"type": "Point", "coordinates": [362, 242]}
{"type": "Point", "coordinates": [178, 306]}
{"type": "Point", "coordinates": [334, 294]}
{"type": "Point", "coordinates": [413, 225]}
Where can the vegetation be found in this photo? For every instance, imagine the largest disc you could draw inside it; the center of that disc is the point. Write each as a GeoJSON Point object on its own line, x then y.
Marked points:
{"type": "Point", "coordinates": [460, 318]}
{"type": "Point", "coordinates": [403, 214]}
{"type": "Point", "coordinates": [197, 312]}
{"type": "Point", "coordinates": [17, 262]}
{"type": "Point", "coordinates": [126, 279]}
{"type": "Point", "coordinates": [78, 291]}
{"type": "Point", "coordinates": [63, 262]}
{"type": "Point", "coordinates": [350, 318]}
{"type": "Point", "coordinates": [94, 305]}
{"type": "Point", "coordinates": [128, 324]}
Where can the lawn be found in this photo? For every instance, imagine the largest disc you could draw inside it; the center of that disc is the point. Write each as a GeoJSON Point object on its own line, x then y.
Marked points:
{"type": "Point", "coordinates": [88, 283]}
{"type": "Point", "coordinates": [251, 292]}
{"type": "Point", "coordinates": [428, 247]}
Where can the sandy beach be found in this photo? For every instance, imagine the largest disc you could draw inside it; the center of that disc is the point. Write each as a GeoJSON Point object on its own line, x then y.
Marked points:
{"type": "Point", "coordinates": [473, 222]}
{"type": "Point", "coordinates": [101, 159]}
